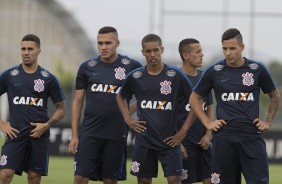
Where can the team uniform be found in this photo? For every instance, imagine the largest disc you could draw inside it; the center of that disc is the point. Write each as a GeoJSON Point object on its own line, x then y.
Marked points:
{"type": "Point", "coordinates": [103, 133]}
{"type": "Point", "coordinates": [198, 164]}
{"type": "Point", "coordinates": [158, 99]}
{"type": "Point", "coordinates": [28, 96]}
{"type": "Point", "coordinates": [238, 145]}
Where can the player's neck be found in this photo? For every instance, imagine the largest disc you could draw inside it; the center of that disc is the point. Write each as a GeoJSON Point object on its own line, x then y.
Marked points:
{"type": "Point", "coordinates": [155, 69]}
{"type": "Point", "coordinates": [30, 68]}
{"type": "Point", "coordinates": [111, 59]}
{"type": "Point", "coordinates": [192, 71]}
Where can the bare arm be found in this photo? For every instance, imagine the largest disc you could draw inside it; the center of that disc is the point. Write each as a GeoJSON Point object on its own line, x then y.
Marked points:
{"type": "Point", "coordinates": [133, 108]}
{"type": "Point", "coordinates": [135, 125]}
{"type": "Point", "coordinates": [7, 130]}
{"type": "Point", "coordinates": [195, 102]}
{"type": "Point", "coordinates": [210, 115]}
{"type": "Point", "coordinates": [77, 104]}
{"type": "Point", "coordinates": [205, 140]}
{"type": "Point", "coordinates": [180, 135]}
{"type": "Point", "coordinates": [40, 128]}
{"type": "Point", "coordinates": [272, 109]}
{"type": "Point", "coordinates": [273, 105]}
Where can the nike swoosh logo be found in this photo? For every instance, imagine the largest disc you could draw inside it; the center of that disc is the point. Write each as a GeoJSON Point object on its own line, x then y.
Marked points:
{"type": "Point", "coordinates": [18, 84]}
{"type": "Point", "coordinates": [224, 80]}
{"type": "Point", "coordinates": [95, 73]}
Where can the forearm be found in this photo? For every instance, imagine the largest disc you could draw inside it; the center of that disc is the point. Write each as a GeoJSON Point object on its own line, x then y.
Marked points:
{"type": "Point", "coordinates": [188, 122]}
{"type": "Point", "coordinates": [132, 108]}
{"type": "Point", "coordinates": [75, 118]}
{"type": "Point", "coordinates": [273, 106]}
{"type": "Point", "coordinates": [195, 102]}
{"type": "Point", "coordinates": [123, 107]}
{"type": "Point", "coordinates": [58, 114]}
{"type": "Point", "coordinates": [2, 124]}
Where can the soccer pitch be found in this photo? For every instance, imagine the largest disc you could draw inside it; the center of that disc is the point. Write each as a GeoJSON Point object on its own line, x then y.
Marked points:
{"type": "Point", "coordinates": [61, 172]}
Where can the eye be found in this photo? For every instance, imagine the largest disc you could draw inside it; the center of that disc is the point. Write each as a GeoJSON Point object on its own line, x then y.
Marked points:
{"type": "Point", "coordinates": [108, 43]}
{"type": "Point", "coordinates": [156, 50]}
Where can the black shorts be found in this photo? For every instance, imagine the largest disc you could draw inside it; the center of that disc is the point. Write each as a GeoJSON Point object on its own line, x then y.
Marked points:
{"type": "Point", "coordinates": [99, 158]}
{"type": "Point", "coordinates": [26, 153]}
{"type": "Point", "coordinates": [235, 154]}
{"type": "Point", "coordinates": [145, 162]}
{"type": "Point", "coordinates": [198, 164]}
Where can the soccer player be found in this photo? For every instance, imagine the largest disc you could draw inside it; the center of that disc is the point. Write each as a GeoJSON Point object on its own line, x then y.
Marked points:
{"type": "Point", "coordinates": [100, 146]}
{"type": "Point", "coordinates": [159, 89]}
{"type": "Point", "coordinates": [28, 87]}
{"type": "Point", "coordinates": [238, 145]}
{"type": "Point", "coordinates": [196, 147]}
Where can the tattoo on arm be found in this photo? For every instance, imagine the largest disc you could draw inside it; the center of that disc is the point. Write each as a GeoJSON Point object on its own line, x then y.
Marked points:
{"type": "Point", "coordinates": [273, 105]}
{"type": "Point", "coordinates": [59, 106]}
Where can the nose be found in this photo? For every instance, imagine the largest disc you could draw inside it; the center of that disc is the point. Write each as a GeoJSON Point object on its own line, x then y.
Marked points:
{"type": "Point", "coordinates": [152, 53]}
{"type": "Point", "coordinates": [25, 51]}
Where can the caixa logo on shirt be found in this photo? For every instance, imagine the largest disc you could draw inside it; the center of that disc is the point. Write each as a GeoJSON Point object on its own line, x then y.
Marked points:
{"type": "Point", "coordinates": [204, 106]}
{"type": "Point", "coordinates": [28, 101]}
{"type": "Point", "coordinates": [106, 88]}
{"type": "Point", "coordinates": [237, 96]}
{"type": "Point", "coordinates": [158, 105]}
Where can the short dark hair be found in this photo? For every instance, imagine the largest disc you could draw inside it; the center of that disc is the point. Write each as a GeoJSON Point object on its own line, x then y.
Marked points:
{"type": "Point", "coordinates": [107, 29]}
{"type": "Point", "coordinates": [184, 45]}
{"type": "Point", "coordinates": [151, 38]}
{"type": "Point", "coordinates": [32, 37]}
{"type": "Point", "coordinates": [232, 33]}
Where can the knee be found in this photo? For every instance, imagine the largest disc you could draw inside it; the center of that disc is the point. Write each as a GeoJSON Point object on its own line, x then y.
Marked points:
{"type": "Point", "coordinates": [144, 180]}
{"type": "Point", "coordinates": [6, 176]}
{"type": "Point", "coordinates": [80, 179]}
{"type": "Point", "coordinates": [109, 181]}
{"type": "Point", "coordinates": [33, 178]}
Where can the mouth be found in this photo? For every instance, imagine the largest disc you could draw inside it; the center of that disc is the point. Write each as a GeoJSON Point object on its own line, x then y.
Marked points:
{"type": "Point", "coordinates": [153, 60]}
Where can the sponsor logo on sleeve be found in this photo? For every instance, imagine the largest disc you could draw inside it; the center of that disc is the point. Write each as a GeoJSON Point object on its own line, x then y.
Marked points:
{"type": "Point", "coordinates": [125, 61]}
{"type": "Point", "coordinates": [92, 63]}
{"type": "Point", "coordinates": [44, 73]}
{"type": "Point", "coordinates": [14, 72]}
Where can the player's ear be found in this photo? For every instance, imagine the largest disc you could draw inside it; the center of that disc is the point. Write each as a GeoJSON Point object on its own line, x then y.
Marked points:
{"type": "Point", "coordinates": [118, 42]}
{"type": "Point", "coordinates": [38, 51]}
{"type": "Point", "coordinates": [242, 46]}
{"type": "Point", "coordinates": [162, 49]}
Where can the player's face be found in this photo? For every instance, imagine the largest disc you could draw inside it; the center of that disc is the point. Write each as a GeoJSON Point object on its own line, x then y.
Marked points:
{"type": "Point", "coordinates": [152, 52]}
{"type": "Point", "coordinates": [107, 46]}
{"type": "Point", "coordinates": [232, 50]}
{"type": "Point", "coordinates": [29, 52]}
{"type": "Point", "coordinates": [195, 56]}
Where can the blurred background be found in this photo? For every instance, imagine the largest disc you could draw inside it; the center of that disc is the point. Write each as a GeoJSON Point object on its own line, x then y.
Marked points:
{"type": "Point", "coordinates": [68, 30]}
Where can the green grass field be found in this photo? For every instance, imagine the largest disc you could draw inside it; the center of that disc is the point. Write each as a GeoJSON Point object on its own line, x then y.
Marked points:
{"type": "Point", "coordinates": [61, 172]}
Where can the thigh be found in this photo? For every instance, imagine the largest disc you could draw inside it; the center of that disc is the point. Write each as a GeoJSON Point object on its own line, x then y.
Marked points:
{"type": "Point", "coordinates": [225, 161]}
{"type": "Point", "coordinates": [254, 160]}
{"type": "Point", "coordinates": [14, 155]}
{"type": "Point", "coordinates": [87, 161]}
{"type": "Point", "coordinates": [39, 155]}
{"type": "Point", "coordinates": [190, 165]}
{"type": "Point", "coordinates": [198, 164]}
{"type": "Point", "coordinates": [144, 162]}
{"type": "Point", "coordinates": [114, 160]}
{"type": "Point", "coordinates": [171, 160]}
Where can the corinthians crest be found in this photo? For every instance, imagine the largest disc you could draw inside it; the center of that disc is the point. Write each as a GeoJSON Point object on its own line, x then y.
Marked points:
{"type": "Point", "coordinates": [248, 79]}
{"type": "Point", "coordinates": [39, 85]}
{"type": "Point", "coordinates": [165, 87]}
{"type": "Point", "coordinates": [120, 73]}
